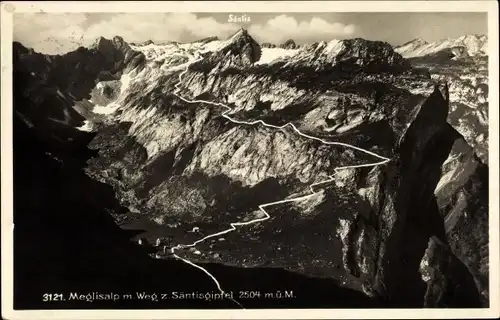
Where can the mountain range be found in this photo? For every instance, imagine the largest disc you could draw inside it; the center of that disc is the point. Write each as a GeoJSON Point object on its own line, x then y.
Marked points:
{"type": "Point", "coordinates": [176, 141]}
{"type": "Point", "coordinates": [468, 45]}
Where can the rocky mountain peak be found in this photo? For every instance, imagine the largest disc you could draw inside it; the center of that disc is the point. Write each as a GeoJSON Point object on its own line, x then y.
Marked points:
{"type": "Point", "coordinates": [368, 49]}
{"type": "Point", "coordinates": [244, 42]}
{"type": "Point", "coordinates": [117, 50]}
{"type": "Point", "coordinates": [356, 51]}
{"type": "Point", "coordinates": [117, 43]}
{"type": "Point", "coordinates": [473, 37]}
{"type": "Point", "coordinates": [289, 44]}
{"type": "Point", "coordinates": [109, 48]}
{"type": "Point", "coordinates": [242, 32]}
{"type": "Point", "coordinates": [414, 43]}
{"type": "Point", "coordinates": [239, 50]}
{"type": "Point", "coordinates": [482, 37]}
{"type": "Point", "coordinates": [474, 44]}
{"type": "Point", "coordinates": [411, 45]}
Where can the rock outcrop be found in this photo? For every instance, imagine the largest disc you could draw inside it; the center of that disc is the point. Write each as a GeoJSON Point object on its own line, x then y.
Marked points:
{"type": "Point", "coordinates": [239, 51]}
{"type": "Point", "coordinates": [463, 63]}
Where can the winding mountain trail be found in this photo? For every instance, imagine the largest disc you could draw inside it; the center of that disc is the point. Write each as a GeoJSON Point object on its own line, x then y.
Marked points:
{"type": "Point", "coordinates": [262, 206]}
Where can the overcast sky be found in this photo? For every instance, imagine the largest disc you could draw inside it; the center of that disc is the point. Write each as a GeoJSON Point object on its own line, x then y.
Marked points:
{"type": "Point", "coordinates": [59, 33]}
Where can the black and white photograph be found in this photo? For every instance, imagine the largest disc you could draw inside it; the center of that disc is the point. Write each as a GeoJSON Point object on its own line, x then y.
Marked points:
{"type": "Point", "coordinates": [234, 159]}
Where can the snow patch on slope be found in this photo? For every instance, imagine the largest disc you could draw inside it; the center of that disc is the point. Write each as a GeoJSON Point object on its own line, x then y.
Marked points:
{"type": "Point", "coordinates": [87, 126]}
{"type": "Point", "coordinates": [272, 54]}
{"type": "Point", "coordinates": [319, 53]}
{"type": "Point", "coordinates": [108, 109]}
{"type": "Point", "coordinates": [333, 48]}
{"type": "Point", "coordinates": [475, 45]}
{"type": "Point", "coordinates": [212, 46]}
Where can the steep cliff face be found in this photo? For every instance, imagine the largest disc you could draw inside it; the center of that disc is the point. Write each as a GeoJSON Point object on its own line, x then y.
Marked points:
{"type": "Point", "coordinates": [181, 164]}
{"type": "Point", "coordinates": [462, 198]}
{"type": "Point", "coordinates": [463, 63]}
{"type": "Point", "coordinates": [239, 51]}
{"type": "Point", "coordinates": [409, 216]}
{"type": "Point", "coordinates": [449, 282]}
{"type": "Point", "coordinates": [469, 93]}
{"type": "Point", "coordinates": [351, 53]}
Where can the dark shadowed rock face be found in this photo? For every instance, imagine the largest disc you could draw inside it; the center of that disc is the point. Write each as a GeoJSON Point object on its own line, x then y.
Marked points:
{"type": "Point", "coordinates": [268, 45]}
{"type": "Point", "coordinates": [397, 232]}
{"type": "Point", "coordinates": [53, 84]}
{"type": "Point", "coordinates": [289, 44]}
{"type": "Point", "coordinates": [240, 51]}
{"type": "Point", "coordinates": [352, 53]}
{"type": "Point", "coordinates": [462, 199]}
{"type": "Point", "coordinates": [449, 282]}
{"type": "Point", "coordinates": [427, 217]}
{"type": "Point", "coordinates": [407, 228]}
{"type": "Point", "coordinates": [463, 63]}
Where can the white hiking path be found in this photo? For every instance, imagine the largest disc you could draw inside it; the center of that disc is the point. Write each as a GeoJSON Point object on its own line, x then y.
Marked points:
{"type": "Point", "coordinates": [233, 225]}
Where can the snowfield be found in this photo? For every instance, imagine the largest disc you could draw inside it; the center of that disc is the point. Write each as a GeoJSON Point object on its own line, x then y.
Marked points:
{"type": "Point", "coordinates": [272, 54]}
{"type": "Point", "coordinates": [476, 45]}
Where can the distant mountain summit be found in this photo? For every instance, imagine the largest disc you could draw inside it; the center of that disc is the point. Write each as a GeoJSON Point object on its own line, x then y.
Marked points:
{"type": "Point", "coordinates": [268, 45]}
{"type": "Point", "coordinates": [289, 44]}
{"type": "Point", "coordinates": [359, 52]}
{"type": "Point", "coordinates": [58, 82]}
{"type": "Point", "coordinates": [241, 42]}
{"type": "Point", "coordinates": [111, 49]}
{"type": "Point", "coordinates": [238, 51]}
{"type": "Point", "coordinates": [473, 45]}
{"type": "Point", "coordinates": [242, 51]}
{"type": "Point", "coordinates": [414, 44]}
